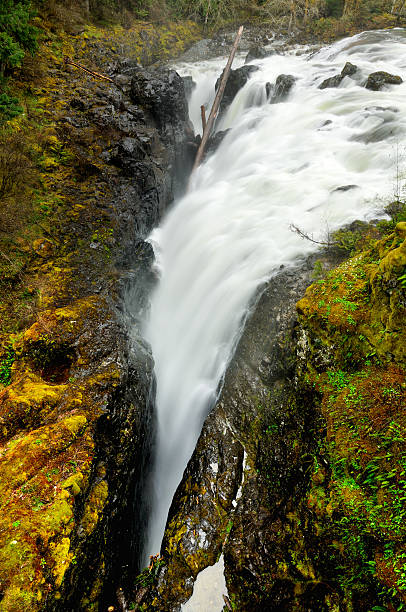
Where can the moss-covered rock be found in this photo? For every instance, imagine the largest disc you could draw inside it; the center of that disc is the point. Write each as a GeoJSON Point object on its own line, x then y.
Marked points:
{"type": "Point", "coordinates": [358, 367]}
{"type": "Point", "coordinates": [74, 391]}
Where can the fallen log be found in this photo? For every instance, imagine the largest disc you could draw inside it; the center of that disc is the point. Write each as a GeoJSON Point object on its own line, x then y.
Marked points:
{"type": "Point", "coordinates": [70, 62]}
{"type": "Point", "coordinates": [217, 101]}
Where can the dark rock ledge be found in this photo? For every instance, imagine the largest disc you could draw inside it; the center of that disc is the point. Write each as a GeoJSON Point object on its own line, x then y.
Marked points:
{"type": "Point", "coordinates": [255, 407]}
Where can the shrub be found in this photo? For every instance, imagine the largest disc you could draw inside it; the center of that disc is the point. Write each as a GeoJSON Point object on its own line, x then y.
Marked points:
{"type": "Point", "coordinates": [9, 108]}
{"type": "Point", "coordinates": [17, 35]}
{"type": "Point", "coordinates": [334, 8]}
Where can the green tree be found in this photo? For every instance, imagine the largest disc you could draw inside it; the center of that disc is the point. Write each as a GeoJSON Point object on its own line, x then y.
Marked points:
{"type": "Point", "coordinates": [334, 8]}
{"type": "Point", "coordinates": [17, 34]}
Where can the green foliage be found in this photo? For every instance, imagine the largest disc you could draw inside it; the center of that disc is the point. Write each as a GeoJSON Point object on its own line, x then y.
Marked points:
{"type": "Point", "coordinates": [9, 107]}
{"type": "Point", "coordinates": [149, 575]}
{"type": "Point", "coordinates": [5, 366]}
{"type": "Point", "coordinates": [334, 8]}
{"type": "Point", "coordinates": [17, 35]}
{"type": "Point", "coordinates": [11, 53]}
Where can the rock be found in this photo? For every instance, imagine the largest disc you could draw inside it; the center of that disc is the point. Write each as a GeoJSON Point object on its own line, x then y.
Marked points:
{"type": "Point", "coordinates": [269, 89]}
{"type": "Point", "coordinates": [334, 81]}
{"type": "Point", "coordinates": [345, 188]}
{"type": "Point", "coordinates": [377, 80]}
{"type": "Point", "coordinates": [257, 52]}
{"type": "Point", "coordinates": [189, 85]}
{"type": "Point", "coordinates": [201, 50]}
{"type": "Point", "coordinates": [215, 140]}
{"type": "Point", "coordinates": [236, 81]}
{"type": "Point", "coordinates": [126, 153]}
{"type": "Point", "coordinates": [162, 93]}
{"type": "Point", "coordinates": [349, 69]}
{"type": "Point", "coordinates": [282, 88]}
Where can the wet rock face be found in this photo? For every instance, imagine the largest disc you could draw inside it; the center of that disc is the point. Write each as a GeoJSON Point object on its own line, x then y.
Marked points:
{"type": "Point", "coordinates": [162, 93]}
{"type": "Point", "coordinates": [377, 80]}
{"type": "Point", "coordinates": [280, 91]}
{"type": "Point", "coordinates": [200, 512]}
{"type": "Point", "coordinates": [126, 154]}
{"type": "Point", "coordinates": [257, 52]}
{"type": "Point", "coordinates": [334, 81]}
{"type": "Point", "coordinates": [236, 81]}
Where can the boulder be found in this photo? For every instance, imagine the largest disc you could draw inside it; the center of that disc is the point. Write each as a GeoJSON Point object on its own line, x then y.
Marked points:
{"type": "Point", "coordinates": [281, 89]}
{"type": "Point", "coordinates": [162, 93]}
{"type": "Point", "coordinates": [236, 81]}
{"type": "Point", "coordinates": [334, 81]}
{"type": "Point", "coordinates": [377, 80]}
{"type": "Point", "coordinates": [257, 52]}
{"type": "Point", "coordinates": [349, 69]}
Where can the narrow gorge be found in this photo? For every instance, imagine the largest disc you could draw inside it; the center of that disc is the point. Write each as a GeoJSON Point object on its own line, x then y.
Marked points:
{"type": "Point", "coordinates": [202, 400]}
{"type": "Point", "coordinates": [228, 241]}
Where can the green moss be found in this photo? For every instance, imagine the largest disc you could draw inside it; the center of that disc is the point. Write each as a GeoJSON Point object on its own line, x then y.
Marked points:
{"type": "Point", "coordinates": [358, 368]}
{"type": "Point", "coordinates": [6, 365]}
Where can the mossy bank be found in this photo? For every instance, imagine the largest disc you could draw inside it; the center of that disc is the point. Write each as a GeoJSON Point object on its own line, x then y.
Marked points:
{"type": "Point", "coordinates": [74, 393]}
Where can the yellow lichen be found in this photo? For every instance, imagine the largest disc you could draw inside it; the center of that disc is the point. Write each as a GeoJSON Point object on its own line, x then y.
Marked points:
{"type": "Point", "coordinates": [61, 558]}
{"type": "Point", "coordinates": [94, 506]}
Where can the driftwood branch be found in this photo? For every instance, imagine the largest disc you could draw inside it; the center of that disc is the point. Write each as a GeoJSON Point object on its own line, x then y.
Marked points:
{"type": "Point", "coordinates": [203, 113]}
{"type": "Point", "coordinates": [217, 100]}
{"type": "Point", "coordinates": [70, 62]}
{"type": "Point", "coordinates": [305, 236]}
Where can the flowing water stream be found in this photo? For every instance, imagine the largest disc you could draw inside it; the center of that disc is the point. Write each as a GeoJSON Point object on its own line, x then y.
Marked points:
{"type": "Point", "coordinates": [319, 160]}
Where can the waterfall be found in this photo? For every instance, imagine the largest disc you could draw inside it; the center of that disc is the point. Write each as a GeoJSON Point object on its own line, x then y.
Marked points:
{"type": "Point", "coordinates": [318, 160]}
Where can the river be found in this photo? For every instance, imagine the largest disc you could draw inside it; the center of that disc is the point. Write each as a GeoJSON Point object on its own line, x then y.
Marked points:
{"type": "Point", "coordinates": [319, 160]}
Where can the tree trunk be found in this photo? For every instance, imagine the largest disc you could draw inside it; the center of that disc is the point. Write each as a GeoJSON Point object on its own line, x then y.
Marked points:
{"type": "Point", "coordinates": [217, 101]}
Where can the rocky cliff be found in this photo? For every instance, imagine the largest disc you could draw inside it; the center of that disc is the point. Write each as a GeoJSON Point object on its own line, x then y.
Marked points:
{"type": "Point", "coordinates": [75, 407]}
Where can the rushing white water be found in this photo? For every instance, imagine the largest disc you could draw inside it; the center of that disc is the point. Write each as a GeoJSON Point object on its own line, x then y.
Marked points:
{"type": "Point", "coordinates": [279, 164]}
{"type": "Point", "coordinates": [208, 590]}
